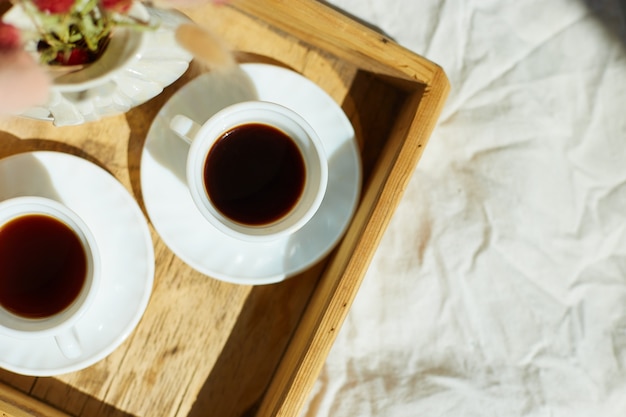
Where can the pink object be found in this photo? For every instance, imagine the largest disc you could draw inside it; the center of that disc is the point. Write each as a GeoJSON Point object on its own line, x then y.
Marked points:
{"type": "Point", "coordinates": [23, 83]}
{"type": "Point", "coordinates": [187, 3]}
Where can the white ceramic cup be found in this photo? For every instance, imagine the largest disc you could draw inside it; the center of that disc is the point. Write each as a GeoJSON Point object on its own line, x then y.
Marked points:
{"type": "Point", "coordinates": [61, 325]}
{"type": "Point", "coordinates": [203, 137]}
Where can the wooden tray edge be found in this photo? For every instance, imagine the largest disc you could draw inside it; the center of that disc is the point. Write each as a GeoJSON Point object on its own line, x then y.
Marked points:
{"type": "Point", "coordinates": [14, 403]}
{"type": "Point", "coordinates": [332, 31]}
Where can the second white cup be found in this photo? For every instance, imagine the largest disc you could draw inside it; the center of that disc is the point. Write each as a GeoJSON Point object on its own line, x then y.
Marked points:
{"type": "Point", "coordinates": [256, 170]}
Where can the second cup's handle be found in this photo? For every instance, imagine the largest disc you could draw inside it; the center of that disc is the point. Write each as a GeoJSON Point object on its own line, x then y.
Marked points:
{"type": "Point", "coordinates": [68, 344]}
{"type": "Point", "coordinates": [184, 127]}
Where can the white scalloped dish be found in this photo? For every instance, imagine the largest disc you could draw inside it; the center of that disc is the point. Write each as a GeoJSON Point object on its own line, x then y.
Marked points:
{"type": "Point", "coordinates": [137, 66]}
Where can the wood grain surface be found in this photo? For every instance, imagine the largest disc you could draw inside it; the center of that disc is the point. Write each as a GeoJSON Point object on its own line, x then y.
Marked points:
{"type": "Point", "coordinates": [208, 348]}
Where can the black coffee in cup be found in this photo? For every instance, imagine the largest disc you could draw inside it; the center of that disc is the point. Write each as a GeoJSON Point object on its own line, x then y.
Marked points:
{"type": "Point", "coordinates": [43, 266]}
{"type": "Point", "coordinates": [254, 174]}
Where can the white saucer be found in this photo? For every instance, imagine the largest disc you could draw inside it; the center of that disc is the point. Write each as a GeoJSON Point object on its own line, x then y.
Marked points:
{"type": "Point", "coordinates": [125, 246]}
{"type": "Point", "coordinates": [179, 222]}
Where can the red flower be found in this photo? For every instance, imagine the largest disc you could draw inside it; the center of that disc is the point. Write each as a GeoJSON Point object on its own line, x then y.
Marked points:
{"type": "Point", "coordinates": [54, 6]}
{"type": "Point", "coordinates": [9, 37]}
{"type": "Point", "coordinates": [120, 6]}
{"type": "Point", "coordinates": [73, 57]}
{"type": "Point", "coordinates": [185, 3]}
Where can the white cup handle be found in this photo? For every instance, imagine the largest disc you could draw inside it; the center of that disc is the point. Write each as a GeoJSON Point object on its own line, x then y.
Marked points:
{"type": "Point", "coordinates": [68, 344]}
{"type": "Point", "coordinates": [184, 127]}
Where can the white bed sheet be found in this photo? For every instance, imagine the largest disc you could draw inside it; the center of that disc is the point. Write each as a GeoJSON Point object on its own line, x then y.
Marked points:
{"type": "Point", "coordinates": [499, 288]}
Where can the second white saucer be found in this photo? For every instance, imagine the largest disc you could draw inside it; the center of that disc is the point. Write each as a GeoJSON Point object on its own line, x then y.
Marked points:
{"type": "Point", "coordinates": [184, 229]}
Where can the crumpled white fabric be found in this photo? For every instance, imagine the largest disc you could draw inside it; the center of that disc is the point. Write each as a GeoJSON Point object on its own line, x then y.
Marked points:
{"type": "Point", "coordinates": [499, 288]}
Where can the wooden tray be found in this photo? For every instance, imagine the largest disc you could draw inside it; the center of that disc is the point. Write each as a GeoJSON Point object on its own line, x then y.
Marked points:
{"type": "Point", "coordinates": [205, 347]}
